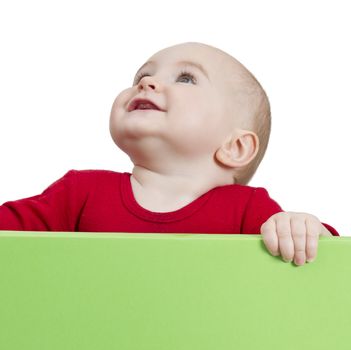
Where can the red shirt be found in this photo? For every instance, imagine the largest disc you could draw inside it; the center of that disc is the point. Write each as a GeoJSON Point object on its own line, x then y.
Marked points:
{"type": "Point", "coordinates": [103, 201]}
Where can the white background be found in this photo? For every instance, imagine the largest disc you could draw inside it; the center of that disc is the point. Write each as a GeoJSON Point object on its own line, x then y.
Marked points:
{"type": "Point", "coordinates": [63, 62]}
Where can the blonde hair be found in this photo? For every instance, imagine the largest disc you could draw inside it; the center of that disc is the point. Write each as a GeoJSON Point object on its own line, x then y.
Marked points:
{"type": "Point", "coordinates": [258, 121]}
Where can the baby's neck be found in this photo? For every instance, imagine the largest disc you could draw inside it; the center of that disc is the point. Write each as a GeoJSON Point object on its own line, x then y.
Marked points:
{"type": "Point", "coordinates": [164, 192]}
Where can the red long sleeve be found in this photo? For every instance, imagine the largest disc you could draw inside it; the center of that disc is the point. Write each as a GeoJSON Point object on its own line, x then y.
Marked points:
{"type": "Point", "coordinates": [259, 209]}
{"type": "Point", "coordinates": [56, 209]}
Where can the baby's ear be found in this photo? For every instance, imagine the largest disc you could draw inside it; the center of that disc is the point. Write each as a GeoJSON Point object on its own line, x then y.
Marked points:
{"type": "Point", "coordinates": [239, 150]}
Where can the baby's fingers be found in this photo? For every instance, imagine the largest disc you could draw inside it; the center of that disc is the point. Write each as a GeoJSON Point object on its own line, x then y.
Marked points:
{"type": "Point", "coordinates": [286, 244]}
{"type": "Point", "coordinates": [269, 236]}
{"type": "Point", "coordinates": [298, 230]}
{"type": "Point", "coordinates": [313, 227]}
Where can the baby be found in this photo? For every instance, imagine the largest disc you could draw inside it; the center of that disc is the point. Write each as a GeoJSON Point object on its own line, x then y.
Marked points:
{"type": "Point", "coordinates": [196, 125]}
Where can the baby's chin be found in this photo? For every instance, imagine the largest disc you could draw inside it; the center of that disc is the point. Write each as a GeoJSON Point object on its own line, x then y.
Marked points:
{"type": "Point", "coordinates": [136, 130]}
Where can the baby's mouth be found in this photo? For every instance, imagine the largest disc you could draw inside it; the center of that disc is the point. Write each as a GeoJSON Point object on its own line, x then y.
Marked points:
{"type": "Point", "coordinates": [142, 104]}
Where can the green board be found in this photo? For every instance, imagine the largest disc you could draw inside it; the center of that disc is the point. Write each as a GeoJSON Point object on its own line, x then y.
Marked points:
{"type": "Point", "coordinates": [169, 292]}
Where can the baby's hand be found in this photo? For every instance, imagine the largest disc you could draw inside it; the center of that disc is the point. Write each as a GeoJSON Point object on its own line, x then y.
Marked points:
{"type": "Point", "coordinates": [294, 236]}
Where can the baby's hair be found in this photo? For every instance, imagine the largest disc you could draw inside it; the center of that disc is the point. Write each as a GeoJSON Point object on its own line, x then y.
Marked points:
{"type": "Point", "coordinates": [258, 120]}
{"type": "Point", "coordinates": [262, 127]}
{"type": "Point", "coordinates": [254, 114]}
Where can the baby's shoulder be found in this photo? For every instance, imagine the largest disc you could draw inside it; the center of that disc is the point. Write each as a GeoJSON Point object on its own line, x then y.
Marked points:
{"type": "Point", "coordinates": [242, 193]}
{"type": "Point", "coordinates": [92, 177]}
{"type": "Point", "coordinates": [93, 173]}
{"type": "Point", "coordinates": [245, 190]}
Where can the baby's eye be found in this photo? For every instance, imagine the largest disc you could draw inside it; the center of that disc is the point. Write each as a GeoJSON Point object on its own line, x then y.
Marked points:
{"type": "Point", "coordinates": [186, 78]}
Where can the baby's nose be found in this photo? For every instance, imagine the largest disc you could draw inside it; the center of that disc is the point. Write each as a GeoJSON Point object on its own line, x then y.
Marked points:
{"type": "Point", "coordinates": [148, 83]}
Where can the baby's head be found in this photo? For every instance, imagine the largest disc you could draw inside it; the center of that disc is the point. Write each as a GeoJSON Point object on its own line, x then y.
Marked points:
{"type": "Point", "coordinates": [193, 103]}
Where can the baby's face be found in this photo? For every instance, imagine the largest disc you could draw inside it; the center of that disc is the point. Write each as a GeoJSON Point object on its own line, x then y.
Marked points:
{"type": "Point", "coordinates": [180, 97]}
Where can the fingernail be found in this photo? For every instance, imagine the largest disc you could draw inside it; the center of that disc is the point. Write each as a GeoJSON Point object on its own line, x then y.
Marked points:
{"type": "Point", "coordinates": [299, 262]}
{"type": "Point", "coordinates": [287, 260]}
{"type": "Point", "coordinates": [310, 260]}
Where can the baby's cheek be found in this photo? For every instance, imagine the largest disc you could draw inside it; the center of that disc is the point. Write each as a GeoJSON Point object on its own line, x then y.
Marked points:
{"type": "Point", "coordinates": [119, 106]}
{"type": "Point", "coordinates": [122, 99]}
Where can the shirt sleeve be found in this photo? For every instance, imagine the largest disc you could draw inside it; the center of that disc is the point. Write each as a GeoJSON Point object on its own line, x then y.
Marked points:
{"type": "Point", "coordinates": [331, 229]}
{"type": "Point", "coordinates": [260, 208]}
{"type": "Point", "coordinates": [56, 209]}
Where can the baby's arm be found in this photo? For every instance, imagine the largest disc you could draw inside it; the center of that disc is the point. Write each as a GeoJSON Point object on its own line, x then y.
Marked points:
{"type": "Point", "coordinates": [294, 236]}
{"type": "Point", "coordinates": [53, 210]}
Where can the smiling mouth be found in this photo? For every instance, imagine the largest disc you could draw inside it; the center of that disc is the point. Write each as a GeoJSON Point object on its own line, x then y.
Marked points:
{"type": "Point", "coordinates": [142, 104]}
